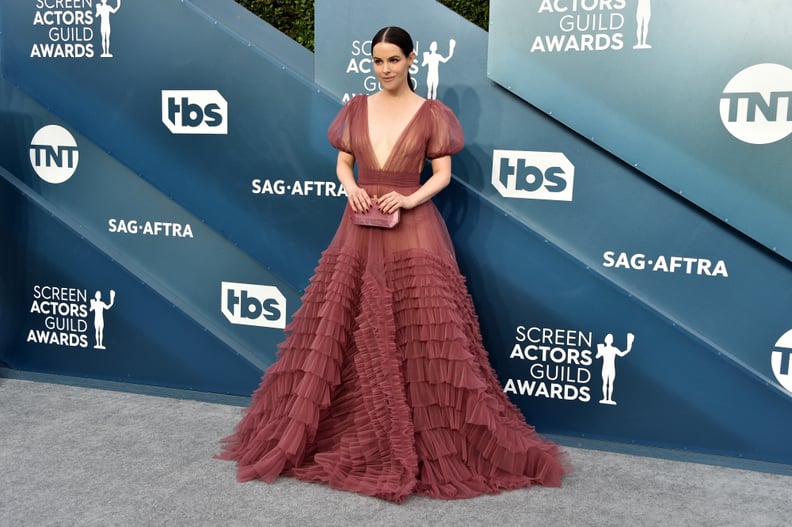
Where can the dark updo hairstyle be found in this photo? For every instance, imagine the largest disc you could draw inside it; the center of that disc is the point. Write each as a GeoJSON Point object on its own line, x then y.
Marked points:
{"type": "Point", "coordinates": [400, 37]}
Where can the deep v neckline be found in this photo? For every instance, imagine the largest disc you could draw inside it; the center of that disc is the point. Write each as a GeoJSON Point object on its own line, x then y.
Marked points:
{"type": "Point", "coordinates": [381, 166]}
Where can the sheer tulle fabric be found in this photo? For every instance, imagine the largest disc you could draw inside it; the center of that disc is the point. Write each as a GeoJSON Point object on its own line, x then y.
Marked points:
{"type": "Point", "coordinates": [382, 385]}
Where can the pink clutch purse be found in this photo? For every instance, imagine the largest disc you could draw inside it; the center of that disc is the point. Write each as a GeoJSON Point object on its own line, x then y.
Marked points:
{"type": "Point", "coordinates": [376, 218]}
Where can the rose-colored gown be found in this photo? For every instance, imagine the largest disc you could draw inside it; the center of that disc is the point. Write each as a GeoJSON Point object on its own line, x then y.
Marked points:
{"type": "Point", "coordinates": [382, 385]}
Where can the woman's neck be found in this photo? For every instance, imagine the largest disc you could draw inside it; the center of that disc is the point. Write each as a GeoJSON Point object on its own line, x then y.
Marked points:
{"type": "Point", "coordinates": [401, 93]}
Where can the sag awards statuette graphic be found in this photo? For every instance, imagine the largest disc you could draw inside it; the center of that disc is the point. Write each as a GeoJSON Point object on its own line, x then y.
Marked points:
{"type": "Point", "coordinates": [643, 14]}
{"type": "Point", "coordinates": [61, 316]}
{"type": "Point", "coordinates": [99, 307]}
{"type": "Point", "coordinates": [432, 60]}
{"type": "Point", "coordinates": [608, 353]}
{"type": "Point", "coordinates": [103, 11]}
{"type": "Point", "coordinates": [592, 26]}
{"type": "Point", "coordinates": [559, 364]}
{"type": "Point", "coordinates": [67, 28]}
{"type": "Point", "coordinates": [361, 63]}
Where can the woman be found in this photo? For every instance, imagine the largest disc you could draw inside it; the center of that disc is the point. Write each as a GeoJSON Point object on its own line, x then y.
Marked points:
{"type": "Point", "coordinates": [382, 385]}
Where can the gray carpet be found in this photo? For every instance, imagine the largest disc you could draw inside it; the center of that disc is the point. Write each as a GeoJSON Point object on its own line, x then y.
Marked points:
{"type": "Point", "coordinates": [84, 456]}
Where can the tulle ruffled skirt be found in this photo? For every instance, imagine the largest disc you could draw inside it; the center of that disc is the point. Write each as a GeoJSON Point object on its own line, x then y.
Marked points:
{"type": "Point", "coordinates": [383, 386]}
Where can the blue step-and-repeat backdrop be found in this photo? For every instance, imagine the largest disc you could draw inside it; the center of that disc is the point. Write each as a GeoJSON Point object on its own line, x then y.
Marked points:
{"type": "Point", "coordinates": [621, 207]}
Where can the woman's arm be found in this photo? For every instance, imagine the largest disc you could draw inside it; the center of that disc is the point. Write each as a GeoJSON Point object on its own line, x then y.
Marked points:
{"type": "Point", "coordinates": [441, 177]}
{"type": "Point", "coordinates": [345, 170]}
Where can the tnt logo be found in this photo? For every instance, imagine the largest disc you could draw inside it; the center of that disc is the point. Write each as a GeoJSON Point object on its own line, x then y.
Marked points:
{"type": "Point", "coordinates": [781, 361]}
{"type": "Point", "coordinates": [54, 154]}
{"type": "Point", "coordinates": [532, 175]}
{"type": "Point", "coordinates": [253, 305]}
{"type": "Point", "coordinates": [194, 112]}
{"type": "Point", "coordinates": [756, 105]}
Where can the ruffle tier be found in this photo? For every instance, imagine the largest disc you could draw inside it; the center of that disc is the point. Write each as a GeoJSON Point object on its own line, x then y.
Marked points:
{"type": "Point", "coordinates": [383, 387]}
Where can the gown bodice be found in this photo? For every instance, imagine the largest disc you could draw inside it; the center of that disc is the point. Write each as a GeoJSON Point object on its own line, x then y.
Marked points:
{"type": "Point", "coordinates": [433, 132]}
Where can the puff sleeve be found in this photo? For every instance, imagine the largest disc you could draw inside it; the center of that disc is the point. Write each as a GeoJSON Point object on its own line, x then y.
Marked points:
{"type": "Point", "coordinates": [446, 135]}
{"type": "Point", "coordinates": [339, 132]}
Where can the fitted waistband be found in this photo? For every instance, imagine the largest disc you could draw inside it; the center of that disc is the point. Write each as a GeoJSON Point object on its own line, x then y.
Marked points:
{"type": "Point", "coordinates": [391, 179]}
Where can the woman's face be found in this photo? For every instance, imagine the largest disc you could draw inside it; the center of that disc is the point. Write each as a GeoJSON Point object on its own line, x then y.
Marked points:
{"type": "Point", "coordinates": [390, 65]}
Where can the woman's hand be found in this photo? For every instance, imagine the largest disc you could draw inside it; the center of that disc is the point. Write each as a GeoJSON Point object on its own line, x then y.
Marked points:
{"type": "Point", "coordinates": [359, 199]}
{"type": "Point", "coordinates": [392, 201]}
{"type": "Point", "coordinates": [441, 176]}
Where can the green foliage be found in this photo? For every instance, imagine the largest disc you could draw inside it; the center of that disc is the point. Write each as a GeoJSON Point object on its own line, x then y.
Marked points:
{"type": "Point", "coordinates": [295, 18]}
{"type": "Point", "coordinates": [474, 10]}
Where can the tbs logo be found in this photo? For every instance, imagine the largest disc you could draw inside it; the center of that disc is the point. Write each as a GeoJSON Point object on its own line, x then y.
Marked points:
{"type": "Point", "coordinates": [532, 175]}
{"type": "Point", "coordinates": [253, 305]}
{"type": "Point", "coordinates": [194, 112]}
